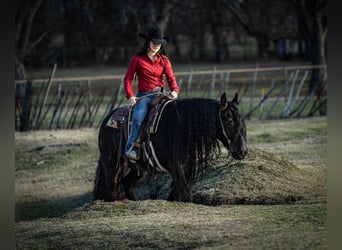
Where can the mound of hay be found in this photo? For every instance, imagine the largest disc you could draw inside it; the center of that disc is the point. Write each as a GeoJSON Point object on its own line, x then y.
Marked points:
{"type": "Point", "coordinates": [262, 178]}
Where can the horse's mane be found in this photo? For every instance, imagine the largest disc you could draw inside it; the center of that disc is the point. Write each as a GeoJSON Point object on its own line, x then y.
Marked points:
{"type": "Point", "coordinates": [195, 131]}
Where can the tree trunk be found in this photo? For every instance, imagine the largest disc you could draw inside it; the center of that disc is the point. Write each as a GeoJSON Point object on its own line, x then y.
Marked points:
{"type": "Point", "coordinates": [20, 72]}
{"type": "Point", "coordinates": [311, 22]}
{"type": "Point", "coordinates": [318, 52]}
{"type": "Point", "coordinates": [19, 92]}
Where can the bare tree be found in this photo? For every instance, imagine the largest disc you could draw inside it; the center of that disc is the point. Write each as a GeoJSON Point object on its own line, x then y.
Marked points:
{"type": "Point", "coordinates": [33, 26]}
{"type": "Point", "coordinates": [160, 12]}
{"type": "Point", "coordinates": [107, 31]}
{"type": "Point", "coordinates": [274, 19]}
{"type": "Point", "coordinates": [267, 21]}
{"type": "Point", "coordinates": [312, 23]}
{"type": "Point", "coordinates": [25, 13]}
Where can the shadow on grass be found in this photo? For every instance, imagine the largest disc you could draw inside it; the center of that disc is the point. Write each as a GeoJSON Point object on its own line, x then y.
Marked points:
{"type": "Point", "coordinates": [32, 210]}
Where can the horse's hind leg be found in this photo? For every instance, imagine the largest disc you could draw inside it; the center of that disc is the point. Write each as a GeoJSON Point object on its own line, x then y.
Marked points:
{"type": "Point", "coordinates": [99, 183]}
{"type": "Point", "coordinates": [130, 181]}
{"type": "Point", "coordinates": [112, 179]}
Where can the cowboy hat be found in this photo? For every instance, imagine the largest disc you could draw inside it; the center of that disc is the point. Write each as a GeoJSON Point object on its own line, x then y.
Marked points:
{"type": "Point", "coordinates": [154, 34]}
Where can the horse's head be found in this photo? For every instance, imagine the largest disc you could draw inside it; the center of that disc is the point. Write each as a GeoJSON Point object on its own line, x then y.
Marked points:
{"type": "Point", "coordinates": [232, 128]}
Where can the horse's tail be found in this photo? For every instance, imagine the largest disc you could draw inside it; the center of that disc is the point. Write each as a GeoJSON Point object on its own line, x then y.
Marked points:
{"type": "Point", "coordinates": [99, 190]}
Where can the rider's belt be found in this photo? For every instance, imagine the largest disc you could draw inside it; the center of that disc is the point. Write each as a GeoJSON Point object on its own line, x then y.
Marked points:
{"type": "Point", "coordinates": [158, 89]}
{"type": "Point", "coordinates": [155, 89]}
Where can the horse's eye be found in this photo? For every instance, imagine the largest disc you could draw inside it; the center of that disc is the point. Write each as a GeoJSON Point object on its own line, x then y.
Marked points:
{"type": "Point", "coordinates": [230, 120]}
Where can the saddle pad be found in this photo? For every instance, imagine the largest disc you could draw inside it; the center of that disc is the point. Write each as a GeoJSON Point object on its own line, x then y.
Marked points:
{"type": "Point", "coordinates": [118, 117]}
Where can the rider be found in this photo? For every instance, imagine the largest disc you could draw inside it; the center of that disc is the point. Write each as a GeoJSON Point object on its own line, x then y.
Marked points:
{"type": "Point", "coordinates": [150, 64]}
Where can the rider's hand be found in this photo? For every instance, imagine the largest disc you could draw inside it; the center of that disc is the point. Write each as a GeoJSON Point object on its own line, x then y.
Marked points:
{"type": "Point", "coordinates": [174, 94]}
{"type": "Point", "coordinates": [132, 100]}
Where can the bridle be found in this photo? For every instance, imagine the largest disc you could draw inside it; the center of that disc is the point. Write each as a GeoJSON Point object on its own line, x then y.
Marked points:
{"type": "Point", "coordinates": [225, 134]}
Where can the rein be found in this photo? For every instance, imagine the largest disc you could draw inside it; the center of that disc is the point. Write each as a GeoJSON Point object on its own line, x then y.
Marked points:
{"type": "Point", "coordinates": [119, 149]}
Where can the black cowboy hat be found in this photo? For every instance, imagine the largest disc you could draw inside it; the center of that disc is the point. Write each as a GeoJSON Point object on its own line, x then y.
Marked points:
{"type": "Point", "coordinates": [154, 34]}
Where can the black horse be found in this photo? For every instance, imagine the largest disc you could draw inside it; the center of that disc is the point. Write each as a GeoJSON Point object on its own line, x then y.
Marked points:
{"type": "Point", "coordinates": [186, 140]}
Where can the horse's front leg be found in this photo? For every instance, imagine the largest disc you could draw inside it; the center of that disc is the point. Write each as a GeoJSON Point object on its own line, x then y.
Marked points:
{"type": "Point", "coordinates": [174, 194]}
{"type": "Point", "coordinates": [177, 195]}
{"type": "Point", "coordinates": [181, 188]}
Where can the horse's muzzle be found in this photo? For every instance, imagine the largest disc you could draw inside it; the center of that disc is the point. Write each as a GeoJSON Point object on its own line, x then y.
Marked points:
{"type": "Point", "coordinates": [241, 154]}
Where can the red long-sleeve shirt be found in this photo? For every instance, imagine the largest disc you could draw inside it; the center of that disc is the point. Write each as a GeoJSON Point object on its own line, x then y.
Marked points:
{"type": "Point", "coordinates": [150, 74]}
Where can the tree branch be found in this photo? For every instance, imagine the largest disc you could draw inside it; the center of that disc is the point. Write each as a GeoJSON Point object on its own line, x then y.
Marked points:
{"type": "Point", "coordinates": [29, 25]}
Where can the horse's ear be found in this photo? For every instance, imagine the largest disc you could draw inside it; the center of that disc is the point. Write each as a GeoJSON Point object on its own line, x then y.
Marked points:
{"type": "Point", "coordinates": [235, 99]}
{"type": "Point", "coordinates": [223, 99]}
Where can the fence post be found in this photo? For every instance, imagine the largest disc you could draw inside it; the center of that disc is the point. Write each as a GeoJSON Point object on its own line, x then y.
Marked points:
{"type": "Point", "coordinates": [97, 106]}
{"type": "Point", "coordinates": [321, 91]}
{"type": "Point", "coordinates": [298, 92]}
{"type": "Point", "coordinates": [36, 106]}
{"type": "Point", "coordinates": [87, 106]}
{"type": "Point", "coordinates": [37, 120]}
{"type": "Point", "coordinates": [212, 83]}
{"type": "Point", "coordinates": [90, 101]}
{"type": "Point", "coordinates": [75, 111]}
{"type": "Point", "coordinates": [41, 121]}
{"type": "Point", "coordinates": [64, 104]}
{"type": "Point", "coordinates": [198, 87]}
{"type": "Point", "coordinates": [288, 100]}
{"type": "Point", "coordinates": [282, 91]}
{"type": "Point", "coordinates": [262, 104]}
{"type": "Point", "coordinates": [248, 115]}
{"type": "Point", "coordinates": [26, 107]}
{"type": "Point", "coordinates": [189, 84]}
{"type": "Point", "coordinates": [253, 86]}
{"type": "Point", "coordinates": [68, 106]}
{"type": "Point", "coordinates": [58, 103]}
{"type": "Point", "coordinates": [226, 81]}
{"type": "Point", "coordinates": [180, 81]}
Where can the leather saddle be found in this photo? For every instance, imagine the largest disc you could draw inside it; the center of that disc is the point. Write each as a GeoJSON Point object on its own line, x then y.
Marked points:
{"type": "Point", "coordinates": [121, 118]}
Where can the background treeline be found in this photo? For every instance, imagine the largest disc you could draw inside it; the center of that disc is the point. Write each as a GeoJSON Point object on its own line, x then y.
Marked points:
{"type": "Point", "coordinates": [86, 32]}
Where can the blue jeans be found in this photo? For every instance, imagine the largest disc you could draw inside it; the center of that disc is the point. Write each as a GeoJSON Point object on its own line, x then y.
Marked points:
{"type": "Point", "coordinates": [140, 111]}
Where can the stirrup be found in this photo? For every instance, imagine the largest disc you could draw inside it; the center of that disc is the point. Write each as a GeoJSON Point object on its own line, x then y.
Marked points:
{"type": "Point", "coordinates": [132, 155]}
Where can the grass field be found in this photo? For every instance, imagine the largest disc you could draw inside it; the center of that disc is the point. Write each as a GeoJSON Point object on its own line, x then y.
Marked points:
{"type": "Point", "coordinates": [283, 180]}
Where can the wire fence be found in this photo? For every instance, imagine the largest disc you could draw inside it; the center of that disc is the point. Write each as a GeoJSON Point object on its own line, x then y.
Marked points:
{"type": "Point", "coordinates": [77, 102]}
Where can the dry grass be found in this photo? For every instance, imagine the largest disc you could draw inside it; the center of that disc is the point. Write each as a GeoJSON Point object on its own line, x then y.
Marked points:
{"type": "Point", "coordinates": [54, 171]}
{"type": "Point", "coordinates": [262, 178]}
{"type": "Point", "coordinates": [286, 165]}
{"type": "Point", "coordinates": [171, 225]}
